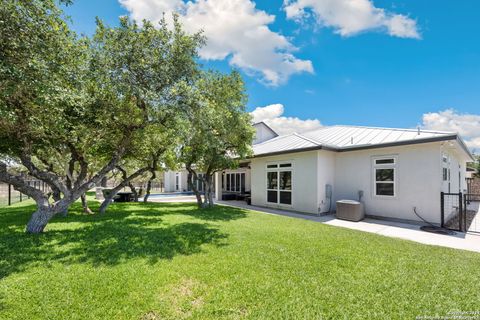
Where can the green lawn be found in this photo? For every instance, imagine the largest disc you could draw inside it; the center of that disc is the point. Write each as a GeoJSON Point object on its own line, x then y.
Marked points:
{"type": "Point", "coordinates": [171, 261]}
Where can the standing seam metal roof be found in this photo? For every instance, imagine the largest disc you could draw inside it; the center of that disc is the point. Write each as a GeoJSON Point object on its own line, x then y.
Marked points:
{"type": "Point", "coordinates": [346, 137]}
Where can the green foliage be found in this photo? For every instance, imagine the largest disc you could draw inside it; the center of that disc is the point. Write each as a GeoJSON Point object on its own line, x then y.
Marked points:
{"type": "Point", "coordinates": [220, 132]}
{"type": "Point", "coordinates": [71, 109]}
{"type": "Point", "coordinates": [147, 66]}
{"type": "Point", "coordinates": [477, 165]}
{"type": "Point", "coordinates": [174, 261]}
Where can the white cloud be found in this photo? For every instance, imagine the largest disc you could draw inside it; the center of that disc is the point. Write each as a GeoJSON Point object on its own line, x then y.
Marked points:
{"type": "Point", "coordinates": [272, 115]}
{"type": "Point", "coordinates": [235, 30]}
{"type": "Point", "coordinates": [349, 17]}
{"type": "Point", "coordinates": [467, 125]}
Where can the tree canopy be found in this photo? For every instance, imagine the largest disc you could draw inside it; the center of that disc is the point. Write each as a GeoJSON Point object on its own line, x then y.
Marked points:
{"type": "Point", "coordinates": [72, 108]}
{"type": "Point", "coordinates": [220, 130]}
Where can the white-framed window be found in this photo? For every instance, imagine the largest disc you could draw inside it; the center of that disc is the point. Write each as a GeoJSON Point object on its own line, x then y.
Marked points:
{"type": "Point", "coordinates": [279, 183]}
{"type": "Point", "coordinates": [177, 182]}
{"type": "Point", "coordinates": [385, 176]}
{"type": "Point", "coordinates": [446, 174]}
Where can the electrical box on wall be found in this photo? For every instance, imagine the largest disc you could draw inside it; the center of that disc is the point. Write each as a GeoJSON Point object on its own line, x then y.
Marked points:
{"type": "Point", "coordinates": [328, 191]}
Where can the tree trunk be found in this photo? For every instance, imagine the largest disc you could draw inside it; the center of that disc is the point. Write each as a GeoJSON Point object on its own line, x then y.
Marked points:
{"type": "Point", "coordinates": [134, 191]}
{"type": "Point", "coordinates": [191, 174]}
{"type": "Point", "coordinates": [126, 181]}
{"type": "Point", "coordinates": [103, 182]}
{"type": "Point", "coordinates": [209, 190]}
{"type": "Point", "coordinates": [149, 186]}
{"type": "Point", "coordinates": [42, 216]}
{"type": "Point", "coordinates": [39, 220]}
{"type": "Point", "coordinates": [106, 202]}
{"type": "Point", "coordinates": [85, 207]}
{"type": "Point", "coordinates": [57, 196]}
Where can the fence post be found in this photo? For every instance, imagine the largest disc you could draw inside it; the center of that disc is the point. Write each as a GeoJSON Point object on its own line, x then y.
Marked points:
{"type": "Point", "coordinates": [442, 209]}
{"type": "Point", "coordinates": [9, 194]}
{"type": "Point", "coordinates": [465, 215]}
{"type": "Point", "coordinates": [460, 208]}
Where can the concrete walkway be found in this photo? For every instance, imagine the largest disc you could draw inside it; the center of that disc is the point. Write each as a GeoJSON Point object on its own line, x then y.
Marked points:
{"type": "Point", "coordinates": [465, 241]}
{"type": "Point", "coordinates": [474, 225]}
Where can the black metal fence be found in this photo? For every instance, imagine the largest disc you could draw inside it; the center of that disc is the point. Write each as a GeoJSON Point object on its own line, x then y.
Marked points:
{"type": "Point", "coordinates": [452, 211]}
{"type": "Point", "coordinates": [460, 211]}
{"type": "Point", "coordinates": [9, 196]}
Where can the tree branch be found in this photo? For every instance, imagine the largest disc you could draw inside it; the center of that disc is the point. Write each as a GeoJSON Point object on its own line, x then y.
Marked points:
{"type": "Point", "coordinates": [20, 184]}
{"type": "Point", "coordinates": [45, 176]}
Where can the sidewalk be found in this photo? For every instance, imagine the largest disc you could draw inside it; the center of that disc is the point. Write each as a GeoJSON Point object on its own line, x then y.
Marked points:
{"type": "Point", "coordinates": [412, 232]}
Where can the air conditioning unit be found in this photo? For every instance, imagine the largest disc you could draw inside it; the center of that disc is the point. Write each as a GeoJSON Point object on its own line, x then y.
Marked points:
{"type": "Point", "coordinates": [350, 210]}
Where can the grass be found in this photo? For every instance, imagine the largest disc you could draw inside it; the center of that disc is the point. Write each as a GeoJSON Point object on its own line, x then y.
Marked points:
{"type": "Point", "coordinates": [171, 261]}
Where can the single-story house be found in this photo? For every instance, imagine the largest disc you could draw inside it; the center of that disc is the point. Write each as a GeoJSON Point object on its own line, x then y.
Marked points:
{"type": "Point", "coordinates": [392, 171]}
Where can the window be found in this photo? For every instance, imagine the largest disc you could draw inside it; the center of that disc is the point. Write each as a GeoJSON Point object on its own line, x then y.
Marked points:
{"type": "Point", "coordinates": [177, 182]}
{"type": "Point", "coordinates": [446, 171]}
{"type": "Point", "coordinates": [384, 176]}
{"type": "Point", "coordinates": [279, 183]}
{"type": "Point", "coordinates": [384, 161]}
{"type": "Point", "coordinates": [235, 182]}
{"type": "Point", "coordinates": [445, 174]}
{"type": "Point", "coordinates": [198, 183]}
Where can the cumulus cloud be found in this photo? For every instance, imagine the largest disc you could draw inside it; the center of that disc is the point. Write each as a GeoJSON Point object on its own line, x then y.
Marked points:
{"type": "Point", "coordinates": [235, 30]}
{"type": "Point", "coordinates": [467, 125]}
{"type": "Point", "coordinates": [273, 116]}
{"type": "Point", "coordinates": [350, 17]}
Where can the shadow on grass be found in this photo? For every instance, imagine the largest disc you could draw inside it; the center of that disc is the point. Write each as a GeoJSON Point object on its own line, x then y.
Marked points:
{"type": "Point", "coordinates": [217, 213]}
{"type": "Point", "coordinates": [126, 231]}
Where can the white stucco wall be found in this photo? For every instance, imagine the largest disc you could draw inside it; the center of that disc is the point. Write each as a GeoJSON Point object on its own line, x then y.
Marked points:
{"type": "Point", "coordinates": [457, 182]}
{"type": "Point", "coordinates": [325, 175]}
{"type": "Point", "coordinates": [304, 182]}
{"type": "Point", "coordinates": [418, 181]}
{"type": "Point", "coordinates": [170, 180]}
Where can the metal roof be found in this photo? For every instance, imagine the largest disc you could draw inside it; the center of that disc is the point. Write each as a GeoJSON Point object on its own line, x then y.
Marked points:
{"type": "Point", "coordinates": [284, 143]}
{"type": "Point", "coordinates": [344, 138]}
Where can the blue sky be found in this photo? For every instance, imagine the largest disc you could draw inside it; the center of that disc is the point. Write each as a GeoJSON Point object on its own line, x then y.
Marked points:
{"type": "Point", "coordinates": [381, 63]}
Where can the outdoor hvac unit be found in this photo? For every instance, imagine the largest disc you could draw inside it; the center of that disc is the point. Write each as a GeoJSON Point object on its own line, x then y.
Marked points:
{"type": "Point", "coordinates": [350, 210]}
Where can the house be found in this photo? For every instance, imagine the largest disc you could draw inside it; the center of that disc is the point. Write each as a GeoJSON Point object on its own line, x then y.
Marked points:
{"type": "Point", "coordinates": [392, 171]}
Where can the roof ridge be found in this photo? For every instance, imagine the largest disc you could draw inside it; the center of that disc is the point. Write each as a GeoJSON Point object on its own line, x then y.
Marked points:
{"type": "Point", "coordinates": [388, 128]}
{"type": "Point", "coordinates": [308, 139]}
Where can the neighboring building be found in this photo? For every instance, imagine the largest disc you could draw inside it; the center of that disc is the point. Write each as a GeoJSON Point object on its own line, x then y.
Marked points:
{"type": "Point", "coordinates": [470, 173]}
{"type": "Point", "coordinates": [392, 171]}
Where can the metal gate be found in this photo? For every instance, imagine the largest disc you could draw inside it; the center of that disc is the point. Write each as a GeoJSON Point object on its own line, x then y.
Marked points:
{"type": "Point", "coordinates": [452, 211]}
{"type": "Point", "coordinates": [460, 212]}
